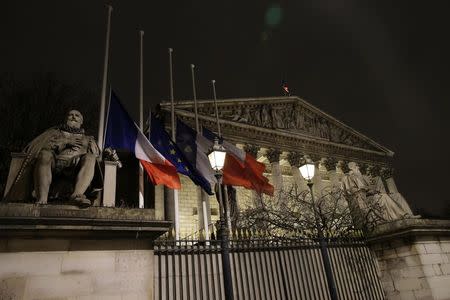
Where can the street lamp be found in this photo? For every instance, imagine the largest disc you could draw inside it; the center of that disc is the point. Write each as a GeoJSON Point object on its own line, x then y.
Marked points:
{"type": "Point", "coordinates": [307, 171]}
{"type": "Point", "coordinates": [217, 161]}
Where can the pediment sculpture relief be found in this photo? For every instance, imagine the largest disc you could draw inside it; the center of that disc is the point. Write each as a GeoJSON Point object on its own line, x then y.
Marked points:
{"type": "Point", "coordinates": [292, 117]}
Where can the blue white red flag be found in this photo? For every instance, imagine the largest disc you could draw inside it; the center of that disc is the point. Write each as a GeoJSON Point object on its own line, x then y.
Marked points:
{"type": "Point", "coordinates": [241, 168]}
{"type": "Point", "coordinates": [195, 148]}
{"type": "Point", "coordinates": [164, 144]}
{"type": "Point", "coordinates": [123, 133]}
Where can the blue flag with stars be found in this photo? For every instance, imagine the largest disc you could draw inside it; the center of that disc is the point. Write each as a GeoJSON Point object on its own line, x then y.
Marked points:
{"type": "Point", "coordinates": [161, 140]}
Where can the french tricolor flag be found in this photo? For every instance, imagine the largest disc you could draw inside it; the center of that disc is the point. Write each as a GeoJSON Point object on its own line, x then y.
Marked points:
{"type": "Point", "coordinates": [123, 133]}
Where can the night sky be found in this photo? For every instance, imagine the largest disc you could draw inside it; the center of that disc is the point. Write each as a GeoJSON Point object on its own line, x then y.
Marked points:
{"type": "Point", "coordinates": [381, 68]}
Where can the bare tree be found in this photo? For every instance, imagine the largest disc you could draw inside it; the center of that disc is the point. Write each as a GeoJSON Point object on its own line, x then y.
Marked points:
{"type": "Point", "coordinates": [294, 212]}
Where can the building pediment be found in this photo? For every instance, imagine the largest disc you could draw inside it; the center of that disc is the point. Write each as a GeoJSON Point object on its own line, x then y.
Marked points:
{"type": "Point", "coordinates": [286, 117]}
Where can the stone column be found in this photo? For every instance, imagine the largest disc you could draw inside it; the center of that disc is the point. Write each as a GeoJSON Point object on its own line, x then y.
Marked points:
{"type": "Point", "coordinates": [317, 180]}
{"type": "Point", "coordinates": [273, 155]}
{"type": "Point", "coordinates": [203, 206]}
{"type": "Point", "coordinates": [330, 165]}
{"type": "Point", "coordinates": [252, 150]}
{"type": "Point", "coordinates": [295, 159]}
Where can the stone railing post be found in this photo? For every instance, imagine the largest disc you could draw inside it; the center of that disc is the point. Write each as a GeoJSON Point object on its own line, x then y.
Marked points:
{"type": "Point", "coordinates": [109, 184]}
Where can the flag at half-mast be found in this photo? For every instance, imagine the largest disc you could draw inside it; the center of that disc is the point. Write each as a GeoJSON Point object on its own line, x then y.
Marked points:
{"type": "Point", "coordinates": [194, 147]}
{"type": "Point", "coordinates": [285, 87]}
{"type": "Point", "coordinates": [164, 144]}
{"type": "Point", "coordinates": [241, 168]}
{"type": "Point", "coordinates": [123, 133]}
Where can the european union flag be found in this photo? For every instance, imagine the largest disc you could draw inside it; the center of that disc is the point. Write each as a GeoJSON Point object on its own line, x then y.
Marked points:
{"type": "Point", "coordinates": [164, 144]}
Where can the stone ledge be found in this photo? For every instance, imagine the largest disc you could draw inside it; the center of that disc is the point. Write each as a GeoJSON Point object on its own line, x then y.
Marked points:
{"type": "Point", "coordinates": [408, 228]}
{"type": "Point", "coordinates": [64, 221]}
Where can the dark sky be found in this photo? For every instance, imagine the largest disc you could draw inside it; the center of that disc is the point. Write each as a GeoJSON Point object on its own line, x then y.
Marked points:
{"type": "Point", "coordinates": [382, 68]}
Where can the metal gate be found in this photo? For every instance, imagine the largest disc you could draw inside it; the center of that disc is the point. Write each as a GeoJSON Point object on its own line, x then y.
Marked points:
{"type": "Point", "coordinates": [266, 268]}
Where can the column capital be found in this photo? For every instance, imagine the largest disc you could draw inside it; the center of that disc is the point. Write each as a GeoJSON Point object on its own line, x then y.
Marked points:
{"type": "Point", "coordinates": [373, 170]}
{"type": "Point", "coordinates": [314, 157]}
{"type": "Point", "coordinates": [363, 168]}
{"type": "Point", "coordinates": [386, 172]}
{"type": "Point", "coordinates": [251, 149]}
{"type": "Point", "coordinates": [295, 159]}
{"type": "Point", "coordinates": [330, 163]}
{"type": "Point", "coordinates": [273, 155]}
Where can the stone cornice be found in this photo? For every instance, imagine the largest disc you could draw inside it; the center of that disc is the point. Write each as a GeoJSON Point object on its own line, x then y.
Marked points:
{"type": "Point", "coordinates": [287, 141]}
{"type": "Point", "coordinates": [408, 228]}
{"type": "Point", "coordinates": [62, 221]}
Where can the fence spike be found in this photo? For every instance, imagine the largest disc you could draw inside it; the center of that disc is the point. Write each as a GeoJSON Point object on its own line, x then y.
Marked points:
{"type": "Point", "coordinates": [234, 233]}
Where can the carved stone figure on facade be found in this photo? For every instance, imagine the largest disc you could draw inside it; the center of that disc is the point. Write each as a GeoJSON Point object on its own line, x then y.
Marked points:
{"type": "Point", "coordinates": [335, 134]}
{"type": "Point", "coordinates": [387, 185]}
{"type": "Point", "coordinates": [64, 152]}
{"type": "Point", "coordinates": [266, 120]}
{"type": "Point", "coordinates": [357, 189]}
{"type": "Point", "coordinates": [277, 118]}
{"type": "Point", "coordinates": [298, 117]}
{"type": "Point", "coordinates": [309, 124]}
{"type": "Point", "coordinates": [246, 116]}
{"type": "Point", "coordinates": [257, 117]}
{"type": "Point", "coordinates": [241, 115]}
{"type": "Point", "coordinates": [323, 129]}
{"type": "Point", "coordinates": [236, 114]}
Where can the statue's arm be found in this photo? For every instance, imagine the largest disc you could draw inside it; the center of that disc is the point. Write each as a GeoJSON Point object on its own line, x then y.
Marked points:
{"type": "Point", "coordinates": [93, 147]}
{"type": "Point", "coordinates": [42, 141]}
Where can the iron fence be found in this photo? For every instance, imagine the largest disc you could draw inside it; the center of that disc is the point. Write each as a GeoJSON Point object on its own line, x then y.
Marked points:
{"type": "Point", "coordinates": [265, 268]}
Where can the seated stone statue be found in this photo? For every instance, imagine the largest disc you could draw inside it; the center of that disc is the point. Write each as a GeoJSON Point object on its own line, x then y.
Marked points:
{"type": "Point", "coordinates": [61, 151]}
{"type": "Point", "coordinates": [355, 184]}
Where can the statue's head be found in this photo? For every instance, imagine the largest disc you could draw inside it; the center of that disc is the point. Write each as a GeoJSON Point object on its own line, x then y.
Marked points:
{"type": "Point", "coordinates": [353, 166]}
{"type": "Point", "coordinates": [74, 119]}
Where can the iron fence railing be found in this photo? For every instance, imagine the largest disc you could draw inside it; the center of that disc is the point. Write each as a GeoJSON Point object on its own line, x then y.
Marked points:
{"type": "Point", "coordinates": [265, 268]}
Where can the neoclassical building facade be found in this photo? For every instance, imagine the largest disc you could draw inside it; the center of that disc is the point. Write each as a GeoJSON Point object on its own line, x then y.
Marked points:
{"type": "Point", "coordinates": [280, 132]}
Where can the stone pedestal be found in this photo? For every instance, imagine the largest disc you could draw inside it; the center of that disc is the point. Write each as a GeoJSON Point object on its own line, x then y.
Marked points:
{"type": "Point", "coordinates": [62, 252]}
{"type": "Point", "coordinates": [414, 258]}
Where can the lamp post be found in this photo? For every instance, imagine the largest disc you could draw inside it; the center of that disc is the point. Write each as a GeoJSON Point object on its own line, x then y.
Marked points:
{"type": "Point", "coordinates": [217, 161]}
{"type": "Point", "coordinates": [307, 171]}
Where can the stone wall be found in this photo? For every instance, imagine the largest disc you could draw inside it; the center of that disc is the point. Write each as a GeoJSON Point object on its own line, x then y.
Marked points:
{"type": "Point", "coordinates": [33, 269]}
{"type": "Point", "coordinates": [63, 252]}
{"type": "Point", "coordinates": [414, 259]}
{"type": "Point", "coordinates": [188, 203]}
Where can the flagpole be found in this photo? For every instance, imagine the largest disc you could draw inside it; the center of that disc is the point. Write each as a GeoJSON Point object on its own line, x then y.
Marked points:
{"type": "Point", "coordinates": [141, 112]}
{"type": "Point", "coordinates": [197, 128]}
{"type": "Point", "coordinates": [107, 114]}
{"type": "Point", "coordinates": [215, 106]}
{"type": "Point", "coordinates": [141, 80]}
{"type": "Point", "coordinates": [172, 110]}
{"type": "Point", "coordinates": [101, 122]}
